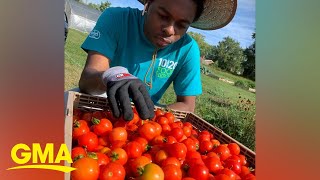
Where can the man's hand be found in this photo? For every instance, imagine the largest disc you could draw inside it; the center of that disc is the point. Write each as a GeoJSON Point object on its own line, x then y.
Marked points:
{"type": "Point", "coordinates": [121, 86]}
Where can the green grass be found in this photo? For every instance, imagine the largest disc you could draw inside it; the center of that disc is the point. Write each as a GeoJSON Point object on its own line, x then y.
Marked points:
{"type": "Point", "coordinates": [226, 106]}
{"type": "Point", "coordinates": [75, 58]}
{"type": "Point", "coordinates": [223, 74]}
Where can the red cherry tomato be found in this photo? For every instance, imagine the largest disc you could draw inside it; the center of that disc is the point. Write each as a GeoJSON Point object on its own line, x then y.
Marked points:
{"type": "Point", "coordinates": [87, 116]}
{"type": "Point", "coordinates": [228, 172]}
{"type": "Point", "coordinates": [233, 165]}
{"type": "Point", "coordinates": [178, 150]}
{"type": "Point", "coordinates": [222, 177]}
{"type": "Point", "coordinates": [170, 140]}
{"type": "Point", "coordinates": [223, 152]}
{"type": "Point", "coordinates": [159, 112]}
{"type": "Point", "coordinates": [165, 129]}
{"type": "Point", "coordinates": [77, 153]}
{"type": "Point", "coordinates": [158, 128]}
{"type": "Point", "coordinates": [118, 155]}
{"type": "Point", "coordinates": [118, 134]}
{"type": "Point", "coordinates": [112, 171]}
{"type": "Point", "coordinates": [190, 144]}
{"type": "Point", "coordinates": [88, 141]}
{"type": "Point", "coordinates": [243, 160]}
{"type": "Point", "coordinates": [199, 172]}
{"type": "Point", "coordinates": [171, 160]}
{"type": "Point", "coordinates": [137, 164]}
{"type": "Point", "coordinates": [101, 127]}
{"type": "Point", "coordinates": [147, 131]}
{"type": "Point", "coordinates": [177, 133]}
{"type": "Point", "coordinates": [162, 120]}
{"type": "Point", "coordinates": [170, 117]}
{"type": "Point", "coordinates": [103, 159]}
{"type": "Point", "coordinates": [172, 172]}
{"type": "Point", "coordinates": [86, 169]}
{"type": "Point", "coordinates": [187, 131]}
{"type": "Point", "coordinates": [234, 149]}
{"type": "Point", "coordinates": [215, 143]}
{"type": "Point", "coordinates": [160, 156]}
{"type": "Point", "coordinates": [133, 149]}
{"type": "Point", "coordinates": [213, 164]}
{"type": "Point", "coordinates": [80, 127]}
{"type": "Point", "coordinates": [205, 146]}
{"type": "Point", "coordinates": [143, 142]}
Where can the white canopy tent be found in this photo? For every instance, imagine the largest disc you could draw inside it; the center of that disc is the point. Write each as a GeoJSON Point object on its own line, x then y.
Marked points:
{"type": "Point", "coordinates": [80, 16]}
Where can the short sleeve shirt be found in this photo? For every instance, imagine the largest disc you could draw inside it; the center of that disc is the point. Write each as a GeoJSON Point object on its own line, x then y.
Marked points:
{"type": "Point", "coordinates": [118, 35]}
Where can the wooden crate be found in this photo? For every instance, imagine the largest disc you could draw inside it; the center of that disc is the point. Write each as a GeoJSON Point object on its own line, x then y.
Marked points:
{"type": "Point", "coordinates": [89, 103]}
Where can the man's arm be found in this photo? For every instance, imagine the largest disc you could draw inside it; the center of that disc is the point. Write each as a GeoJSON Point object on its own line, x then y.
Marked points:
{"type": "Point", "coordinates": [90, 81]}
{"type": "Point", "coordinates": [184, 103]}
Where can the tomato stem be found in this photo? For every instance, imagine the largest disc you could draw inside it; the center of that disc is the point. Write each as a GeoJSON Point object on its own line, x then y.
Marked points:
{"type": "Point", "coordinates": [114, 156]}
{"type": "Point", "coordinates": [76, 124]}
{"type": "Point", "coordinates": [77, 158]}
{"type": "Point", "coordinates": [140, 170]}
{"type": "Point", "coordinates": [92, 155]}
{"type": "Point", "coordinates": [95, 121]}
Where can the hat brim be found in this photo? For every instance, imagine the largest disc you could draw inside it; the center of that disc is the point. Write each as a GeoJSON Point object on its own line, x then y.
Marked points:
{"type": "Point", "coordinates": [216, 14]}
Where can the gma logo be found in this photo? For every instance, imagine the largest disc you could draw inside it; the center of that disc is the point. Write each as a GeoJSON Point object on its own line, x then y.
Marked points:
{"type": "Point", "coordinates": [35, 152]}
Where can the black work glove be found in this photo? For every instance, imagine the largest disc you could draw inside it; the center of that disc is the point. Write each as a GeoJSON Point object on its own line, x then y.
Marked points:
{"type": "Point", "coordinates": [121, 86]}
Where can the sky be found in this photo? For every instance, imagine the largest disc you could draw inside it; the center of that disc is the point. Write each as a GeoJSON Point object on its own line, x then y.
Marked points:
{"type": "Point", "coordinates": [240, 28]}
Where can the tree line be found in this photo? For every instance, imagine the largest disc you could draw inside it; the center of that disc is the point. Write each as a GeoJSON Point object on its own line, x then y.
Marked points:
{"type": "Point", "coordinates": [101, 7]}
{"type": "Point", "coordinates": [228, 55]}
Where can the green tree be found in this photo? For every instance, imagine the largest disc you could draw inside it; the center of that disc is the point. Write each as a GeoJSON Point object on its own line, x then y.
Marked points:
{"type": "Point", "coordinates": [104, 6]}
{"type": "Point", "coordinates": [94, 6]}
{"type": "Point", "coordinates": [211, 53]}
{"type": "Point", "coordinates": [249, 65]}
{"type": "Point", "coordinates": [203, 45]}
{"type": "Point", "coordinates": [229, 55]}
{"type": "Point", "coordinates": [101, 7]}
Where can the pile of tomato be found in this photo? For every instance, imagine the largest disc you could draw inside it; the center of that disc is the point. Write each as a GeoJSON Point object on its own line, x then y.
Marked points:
{"type": "Point", "coordinates": [108, 148]}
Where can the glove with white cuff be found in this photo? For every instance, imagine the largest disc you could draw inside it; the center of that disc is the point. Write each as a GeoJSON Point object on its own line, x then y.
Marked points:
{"type": "Point", "coordinates": [121, 86]}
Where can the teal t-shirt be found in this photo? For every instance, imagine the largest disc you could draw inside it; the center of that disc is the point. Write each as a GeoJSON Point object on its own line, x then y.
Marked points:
{"type": "Point", "coordinates": [119, 36]}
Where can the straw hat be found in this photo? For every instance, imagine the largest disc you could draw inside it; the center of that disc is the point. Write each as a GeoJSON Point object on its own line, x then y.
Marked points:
{"type": "Point", "coordinates": [216, 14]}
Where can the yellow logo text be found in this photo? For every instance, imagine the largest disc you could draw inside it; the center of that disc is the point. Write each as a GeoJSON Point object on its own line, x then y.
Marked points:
{"type": "Point", "coordinates": [35, 153]}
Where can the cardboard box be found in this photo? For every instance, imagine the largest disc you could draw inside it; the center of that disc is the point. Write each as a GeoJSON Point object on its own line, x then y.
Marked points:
{"type": "Point", "coordinates": [86, 102]}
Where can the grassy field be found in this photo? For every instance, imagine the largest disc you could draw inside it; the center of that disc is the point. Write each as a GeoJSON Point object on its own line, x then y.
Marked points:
{"type": "Point", "coordinates": [75, 58]}
{"type": "Point", "coordinates": [227, 107]}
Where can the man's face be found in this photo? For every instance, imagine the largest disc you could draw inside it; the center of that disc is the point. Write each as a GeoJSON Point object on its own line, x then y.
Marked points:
{"type": "Point", "coordinates": [168, 20]}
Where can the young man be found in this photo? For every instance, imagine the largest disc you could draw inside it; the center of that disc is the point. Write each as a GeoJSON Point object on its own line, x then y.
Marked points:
{"type": "Point", "coordinates": [137, 55]}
